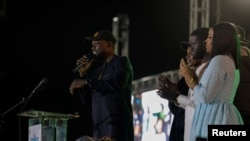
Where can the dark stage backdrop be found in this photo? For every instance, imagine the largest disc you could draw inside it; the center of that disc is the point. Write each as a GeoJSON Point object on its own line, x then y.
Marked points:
{"type": "Point", "coordinates": [44, 38]}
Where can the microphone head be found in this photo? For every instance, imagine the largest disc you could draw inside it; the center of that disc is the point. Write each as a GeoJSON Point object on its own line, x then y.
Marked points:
{"type": "Point", "coordinates": [44, 81]}
{"type": "Point", "coordinates": [42, 85]}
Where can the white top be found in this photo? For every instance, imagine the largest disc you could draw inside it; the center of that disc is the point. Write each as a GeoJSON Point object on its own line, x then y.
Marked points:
{"type": "Point", "coordinates": [187, 103]}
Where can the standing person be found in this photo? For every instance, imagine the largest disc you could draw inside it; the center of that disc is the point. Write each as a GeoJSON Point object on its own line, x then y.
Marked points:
{"type": "Point", "coordinates": [182, 106]}
{"type": "Point", "coordinates": [214, 93]}
{"type": "Point", "coordinates": [243, 93]}
{"type": "Point", "coordinates": [108, 81]}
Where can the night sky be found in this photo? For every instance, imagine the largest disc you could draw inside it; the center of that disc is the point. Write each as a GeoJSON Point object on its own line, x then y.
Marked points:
{"type": "Point", "coordinates": [45, 38]}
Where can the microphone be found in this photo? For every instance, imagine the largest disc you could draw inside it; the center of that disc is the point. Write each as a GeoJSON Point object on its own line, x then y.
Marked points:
{"type": "Point", "coordinates": [89, 56]}
{"type": "Point", "coordinates": [41, 85]}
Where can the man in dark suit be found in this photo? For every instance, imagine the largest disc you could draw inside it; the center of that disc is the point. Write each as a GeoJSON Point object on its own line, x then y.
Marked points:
{"type": "Point", "coordinates": [107, 82]}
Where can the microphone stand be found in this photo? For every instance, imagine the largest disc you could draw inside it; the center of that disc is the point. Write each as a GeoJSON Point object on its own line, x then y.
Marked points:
{"type": "Point", "coordinates": [3, 121]}
{"type": "Point", "coordinates": [24, 100]}
{"type": "Point", "coordinates": [37, 89]}
{"type": "Point", "coordinates": [13, 107]}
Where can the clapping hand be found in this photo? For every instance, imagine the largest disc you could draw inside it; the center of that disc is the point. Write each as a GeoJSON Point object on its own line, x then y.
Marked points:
{"type": "Point", "coordinates": [167, 89]}
{"type": "Point", "coordinates": [163, 80]}
{"type": "Point", "coordinates": [188, 74]}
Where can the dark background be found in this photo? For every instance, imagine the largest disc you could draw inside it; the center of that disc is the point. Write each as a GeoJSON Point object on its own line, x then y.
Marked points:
{"type": "Point", "coordinates": [44, 38]}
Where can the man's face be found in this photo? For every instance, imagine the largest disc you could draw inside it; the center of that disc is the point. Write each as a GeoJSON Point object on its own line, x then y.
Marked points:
{"type": "Point", "coordinates": [199, 49]}
{"type": "Point", "coordinates": [193, 44]}
{"type": "Point", "coordinates": [100, 47]}
{"type": "Point", "coordinates": [189, 57]}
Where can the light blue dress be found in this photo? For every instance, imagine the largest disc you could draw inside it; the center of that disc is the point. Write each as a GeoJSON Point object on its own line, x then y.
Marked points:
{"type": "Point", "coordinates": [214, 96]}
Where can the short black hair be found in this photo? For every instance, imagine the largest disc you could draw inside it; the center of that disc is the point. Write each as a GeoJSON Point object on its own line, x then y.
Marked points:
{"type": "Point", "coordinates": [200, 33]}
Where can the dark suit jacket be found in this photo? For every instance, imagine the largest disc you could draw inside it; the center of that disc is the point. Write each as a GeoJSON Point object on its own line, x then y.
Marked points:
{"type": "Point", "coordinates": [177, 128]}
{"type": "Point", "coordinates": [110, 87]}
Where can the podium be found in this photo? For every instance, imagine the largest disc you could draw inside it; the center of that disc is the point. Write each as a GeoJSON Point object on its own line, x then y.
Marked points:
{"type": "Point", "coordinates": [47, 126]}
